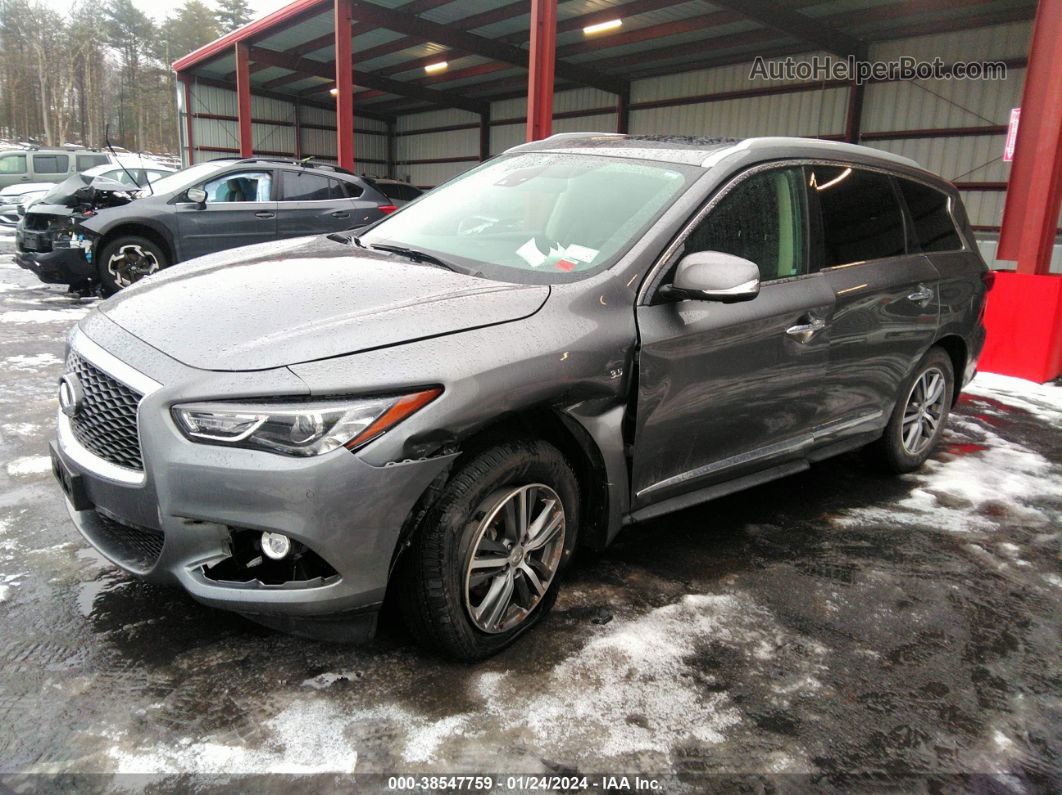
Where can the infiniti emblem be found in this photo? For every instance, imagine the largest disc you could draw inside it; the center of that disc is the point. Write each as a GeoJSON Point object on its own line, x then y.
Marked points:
{"type": "Point", "coordinates": [71, 395]}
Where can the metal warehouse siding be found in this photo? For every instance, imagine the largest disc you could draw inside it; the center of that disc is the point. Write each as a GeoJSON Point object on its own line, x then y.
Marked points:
{"type": "Point", "coordinates": [213, 134]}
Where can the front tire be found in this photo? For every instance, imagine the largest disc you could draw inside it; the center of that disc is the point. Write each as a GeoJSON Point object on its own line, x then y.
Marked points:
{"type": "Point", "coordinates": [127, 260]}
{"type": "Point", "coordinates": [484, 565]}
{"type": "Point", "coordinates": [921, 411]}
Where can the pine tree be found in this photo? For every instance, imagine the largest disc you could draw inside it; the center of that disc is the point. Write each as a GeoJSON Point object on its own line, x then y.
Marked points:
{"type": "Point", "coordinates": [232, 14]}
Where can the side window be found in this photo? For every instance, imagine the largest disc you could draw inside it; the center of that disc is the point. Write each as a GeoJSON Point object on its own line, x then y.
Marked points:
{"type": "Point", "coordinates": [301, 186]}
{"type": "Point", "coordinates": [762, 220]}
{"type": "Point", "coordinates": [85, 162]}
{"type": "Point", "coordinates": [13, 164]}
{"type": "Point", "coordinates": [243, 186]}
{"type": "Point", "coordinates": [861, 217]}
{"type": "Point", "coordinates": [345, 190]}
{"type": "Point", "coordinates": [51, 164]}
{"type": "Point", "coordinates": [933, 226]}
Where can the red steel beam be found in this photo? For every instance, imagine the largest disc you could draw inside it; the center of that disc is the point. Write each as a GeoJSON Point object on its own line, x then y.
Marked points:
{"type": "Point", "coordinates": [345, 84]}
{"type": "Point", "coordinates": [243, 99]}
{"type": "Point", "coordinates": [188, 117]}
{"type": "Point", "coordinates": [1030, 214]}
{"type": "Point", "coordinates": [541, 60]}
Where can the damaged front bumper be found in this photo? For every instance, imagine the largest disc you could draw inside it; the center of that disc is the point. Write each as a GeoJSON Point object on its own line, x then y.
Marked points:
{"type": "Point", "coordinates": [62, 265]}
{"type": "Point", "coordinates": [186, 517]}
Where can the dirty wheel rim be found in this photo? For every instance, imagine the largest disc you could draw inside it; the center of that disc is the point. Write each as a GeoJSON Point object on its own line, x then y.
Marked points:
{"type": "Point", "coordinates": [131, 263]}
{"type": "Point", "coordinates": [514, 557]}
{"type": "Point", "coordinates": [924, 411]}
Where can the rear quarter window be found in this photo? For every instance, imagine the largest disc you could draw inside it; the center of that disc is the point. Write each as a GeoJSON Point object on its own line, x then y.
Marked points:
{"type": "Point", "coordinates": [933, 225]}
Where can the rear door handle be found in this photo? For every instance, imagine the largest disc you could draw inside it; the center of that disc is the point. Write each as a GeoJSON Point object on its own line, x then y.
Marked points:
{"type": "Point", "coordinates": [341, 214]}
{"type": "Point", "coordinates": [922, 295]}
{"type": "Point", "coordinates": [803, 332]}
{"type": "Point", "coordinates": [265, 214]}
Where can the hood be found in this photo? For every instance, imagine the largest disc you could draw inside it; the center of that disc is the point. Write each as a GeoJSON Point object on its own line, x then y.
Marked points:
{"type": "Point", "coordinates": [294, 301]}
{"type": "Point", "coordinates": [81, 190]}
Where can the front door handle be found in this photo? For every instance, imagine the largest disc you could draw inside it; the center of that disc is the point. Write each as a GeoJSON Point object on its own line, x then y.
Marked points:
{"type": "Point", "coordinates": [921, 296]}
{"type": "Point", "coordinates": [803, 332]}
{"type": "Point", "coordinates": [264, 214]}
{"type": "Point", "coordinates": [341, 214]}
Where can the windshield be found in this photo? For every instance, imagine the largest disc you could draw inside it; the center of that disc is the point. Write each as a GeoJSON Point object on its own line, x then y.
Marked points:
{"type": "Point", "coordinates": [537, 217]}
{"type": "Point", "coordinates": [186, 177]}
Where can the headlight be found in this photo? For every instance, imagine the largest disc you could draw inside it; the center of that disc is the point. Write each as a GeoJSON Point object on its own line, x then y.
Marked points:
{"type": "Point", "coordinates": [299, 429]}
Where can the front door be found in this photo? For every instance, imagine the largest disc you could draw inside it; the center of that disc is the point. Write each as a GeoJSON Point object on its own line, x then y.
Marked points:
{"type": "Point", "coordinates": [725, 389]}
{"type": "Point", "coordinates": [240, 210]}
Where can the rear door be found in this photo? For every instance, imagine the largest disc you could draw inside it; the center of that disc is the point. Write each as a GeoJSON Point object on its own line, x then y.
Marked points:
{"type": "Point", "coordinates": [240, 210]}
{"type": "Point", "coordinates": [311, 204]}
{"type": "Point", "coordinates": [51, 167]}
{"type": "Point", "coordinates": [727, 389]}
{"type": "Point", "coordinates": [886, 292]}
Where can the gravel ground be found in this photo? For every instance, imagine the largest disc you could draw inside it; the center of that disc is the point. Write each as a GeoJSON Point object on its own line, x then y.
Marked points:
{"type": "Point", "coordinates": [834, 624]}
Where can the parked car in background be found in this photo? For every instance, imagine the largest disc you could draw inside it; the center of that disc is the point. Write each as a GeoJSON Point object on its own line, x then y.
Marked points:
{"type": "Point", "coordinates": [584, 332]}
{"type": "Point", "coordinates": [47, 165]}
{"type": "Point", "coordinates": [111, 235]}
{"type": "Point", "coordinates": [129, 171]}
{"type": "Point", "coordinates": [14, 196]}
{"type": "Point", "coordinates": [400, 193]}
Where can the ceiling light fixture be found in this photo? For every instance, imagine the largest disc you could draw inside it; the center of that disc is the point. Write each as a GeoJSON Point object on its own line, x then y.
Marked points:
{"type": "Point", "coordinates": [432, 68]}
{"type": "Point", "coordinates": [601, 27]}
{"type": "Point", "coordinates": [334, 92]}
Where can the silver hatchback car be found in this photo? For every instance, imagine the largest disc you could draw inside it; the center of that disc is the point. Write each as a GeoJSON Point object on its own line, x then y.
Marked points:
{"type": "Point", "coordinates": [584, 332]}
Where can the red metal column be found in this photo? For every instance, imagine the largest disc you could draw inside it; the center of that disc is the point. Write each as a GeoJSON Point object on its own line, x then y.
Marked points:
{"type": "Point", "coordinates": [541, 62]}
{"type": "Point", "coordinates": [853, 122]}
{"type": "Point", "coordinates": [344, 85]}
{"type": "Point", "coordinates": [1034, 191]}
{"type": "Point", "coordinates": [243, 99]}
{"type": "Point", "coordinates": [1024, 314]}
{"type": "Point", "coordinates": [189, 120]}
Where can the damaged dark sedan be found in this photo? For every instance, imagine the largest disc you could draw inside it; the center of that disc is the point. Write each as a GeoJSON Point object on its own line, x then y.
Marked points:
{"type": "Point", "coordinates": [102, 234]}
{"type": "Point", "coordinates": [585, 332]}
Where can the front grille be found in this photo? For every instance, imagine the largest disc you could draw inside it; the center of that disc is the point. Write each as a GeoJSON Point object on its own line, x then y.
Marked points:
{"type": "Point", "coordinates": [136, 548]}
{"type": "Point", "coordinates": [106, 422]}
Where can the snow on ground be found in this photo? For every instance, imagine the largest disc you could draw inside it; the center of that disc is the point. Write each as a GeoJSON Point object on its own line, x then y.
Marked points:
{"type": "Point", "coordinates": [29, 465]}
{"type": "Point", "coordinates": [306, 738]}
{"type": "Point", "coordinates": [979, 473]}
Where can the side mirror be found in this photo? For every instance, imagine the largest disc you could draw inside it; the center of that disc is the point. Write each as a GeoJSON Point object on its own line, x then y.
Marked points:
{"type": "Point", "coordinates": [714, 276]}
{"type": "Point", "coordinates": [197, 195]}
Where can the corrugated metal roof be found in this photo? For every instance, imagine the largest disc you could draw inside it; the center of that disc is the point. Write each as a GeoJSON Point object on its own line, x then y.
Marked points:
{"type": "Point", "coordinates": [682, 49]}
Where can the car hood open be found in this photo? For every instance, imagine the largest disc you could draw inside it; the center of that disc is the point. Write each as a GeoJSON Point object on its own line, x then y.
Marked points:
{"type": "Point", "coordinates": [293, 301]}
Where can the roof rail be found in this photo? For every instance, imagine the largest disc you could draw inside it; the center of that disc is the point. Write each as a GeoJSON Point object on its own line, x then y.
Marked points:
{"type": "Point", "coordinates": [289, 161]}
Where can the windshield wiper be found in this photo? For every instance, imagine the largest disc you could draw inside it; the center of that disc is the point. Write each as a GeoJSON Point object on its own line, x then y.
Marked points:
{"type": "Point", "coordinates": [418, 256]}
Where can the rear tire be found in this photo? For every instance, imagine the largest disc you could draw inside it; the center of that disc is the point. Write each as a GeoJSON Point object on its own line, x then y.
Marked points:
{"type": "Point", "coordinates": [127, 260]}
{"type": "Point", "coordinates": [918, 419]}
{"type": "Point", "coordinates": [469, 551]}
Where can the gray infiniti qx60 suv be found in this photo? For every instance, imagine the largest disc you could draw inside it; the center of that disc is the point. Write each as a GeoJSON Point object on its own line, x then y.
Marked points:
{"type": "Point", "coordinates": [584, 332]}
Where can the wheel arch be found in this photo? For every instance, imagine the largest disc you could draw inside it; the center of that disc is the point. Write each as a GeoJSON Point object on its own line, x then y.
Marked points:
{"type": "Point", "coordinates": [600, 517]}
{"type": "Point", "coordinates": [957, 350]}
{"type": "Point", "coordinates": [135, 229]}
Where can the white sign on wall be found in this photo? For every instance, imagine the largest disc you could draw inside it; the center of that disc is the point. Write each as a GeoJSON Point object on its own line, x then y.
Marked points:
{"type": "Point", "coordinates": [1012, 135]}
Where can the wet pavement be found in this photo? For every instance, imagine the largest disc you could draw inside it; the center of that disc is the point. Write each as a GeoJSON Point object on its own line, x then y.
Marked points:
{"type": "Point", "coordinates": [835, 624]}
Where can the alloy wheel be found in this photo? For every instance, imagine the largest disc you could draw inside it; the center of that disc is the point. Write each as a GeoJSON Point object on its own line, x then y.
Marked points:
{"type": "Point", "coordinates": [130, 263]}
{"type": "Point", "coordinates": [514, 557]}
{"type": "Point", "coordinates": [924, 411]}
